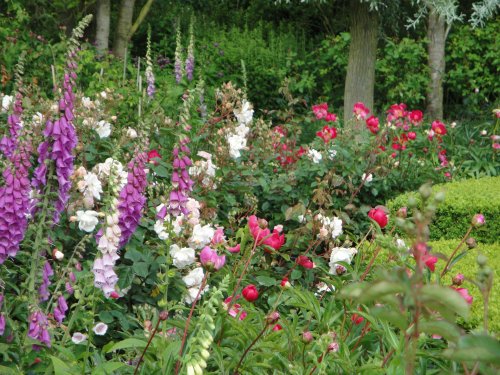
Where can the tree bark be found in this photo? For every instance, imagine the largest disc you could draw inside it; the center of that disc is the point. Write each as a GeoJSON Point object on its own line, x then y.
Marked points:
{"type": "Point", "coordinates": [123, 27]}
{"type": "Point", "coordinates": [436, 34]}
{"type": "Point", "coordinates": [360, 79]}
{"type": "Point", "coordinates": [103, 15]}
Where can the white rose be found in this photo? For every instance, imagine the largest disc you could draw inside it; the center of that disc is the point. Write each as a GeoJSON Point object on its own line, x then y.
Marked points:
{"type": "Point", "coordinates": [202, 235]}
{"type": "Point", "coordinates": [336, 226]}
{"type": "Point", "coordinates": [315, 155]}
{"type": "Point", "coordinates": [87, 103]}
{"type": "Point", "coordinates": [341, 254]}
{"type": "Point", "coordinates": [37, 118]}
{"type": "Point", "coordinates": [103, 128]}
{"type": "Point", "coordinates": [87, 220]}
{"type": "Point", "coordinates": [182, 257]}
{"type": "Point", "coordinates": [6, 102]}
{"type": "Point", "coordinates": [131, 133]}
{"type": "Point", "coordinates": [366, 178]}
{"type": "Point", "coordinates": [194, 278]}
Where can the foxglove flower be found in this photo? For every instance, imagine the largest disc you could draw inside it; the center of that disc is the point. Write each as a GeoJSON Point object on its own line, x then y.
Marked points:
{"type": "Point", "coordinates": [190, 57]}
{"type": "Point", "coordinates": [14, 202]}
{"type": "Point", "coordinates": [47, 273]}
{"type": "Point", "coordinates": [181, 182]}
{"type": "Point", "coordinates": [132, 199]}
{"type": "Point", "coordinates": [38, 328]}
{"type": "Point", "coordinates": [60, 310]}
{"type": "Point", "coordinates": [178, 69]}
{"type": "Point", "coordinates": [9, 144]}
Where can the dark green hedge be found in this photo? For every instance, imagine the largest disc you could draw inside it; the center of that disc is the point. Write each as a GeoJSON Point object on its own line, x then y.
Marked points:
{"type": "Point", "coordinates": [463, 199]}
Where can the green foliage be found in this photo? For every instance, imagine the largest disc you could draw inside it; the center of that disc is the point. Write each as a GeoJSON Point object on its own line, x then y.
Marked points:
{"type": "Point", "coordinates": [402, 73]}
{"type": "Point", "coordinates": [463, 199]}
{"type": "Point", "coordinates": [472, 55]}
{"type": "Point", "coordinates": [467, 265]}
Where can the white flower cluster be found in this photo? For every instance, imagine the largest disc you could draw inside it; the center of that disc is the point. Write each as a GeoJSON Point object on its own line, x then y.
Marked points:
{"type": "Point", "coordinates": [102, 127]}
{"type": "Point", "coordinates": [314, 155]}
{"type": "Point", "coordinates": [237, 139]}
{"type": "Point", "coordinates": [108, 245]}
{"type": "Point", "coordinates": [330, 225]}
{"type": "Point", "coordinates": [164, 226]}
{"type": "Point", "coordinates": [341, 254]}
{"type": "Point", "coordinates": [193, 281]}
{"type": "Point", "coordinates": [7, 101]}
{"type": "Point", "coordinates": [113, 170]}
{"type": "Point", "coordinates": [205, 168]}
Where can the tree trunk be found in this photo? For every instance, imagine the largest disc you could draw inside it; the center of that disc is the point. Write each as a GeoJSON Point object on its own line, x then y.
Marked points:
{"type": "Point", "coordinates": [123, 28]}
{"type": "Point", "coordinates": [360, 79]}
{"type": "Point", "coordinates": [436, 33]}
{"type": "Point", "coordinates": [102, 26]}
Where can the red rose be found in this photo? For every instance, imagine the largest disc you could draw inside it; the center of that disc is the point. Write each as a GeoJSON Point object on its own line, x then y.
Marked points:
{"type": "Point", "coordinates": [153, 154]}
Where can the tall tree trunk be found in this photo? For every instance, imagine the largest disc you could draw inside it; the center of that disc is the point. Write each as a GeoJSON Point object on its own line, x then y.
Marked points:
{"type": "Point", "coordinates": [436, 34]}
{"type": "Point", "coordinates": [360, 79]}
{"type": "Point", "coordinates": [103, 15]}
{"type": "Point", "coordinates": [123, 28]}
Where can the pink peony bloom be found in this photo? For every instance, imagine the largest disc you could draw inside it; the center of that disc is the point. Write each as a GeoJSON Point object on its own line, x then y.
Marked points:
{"type": "Point", "coordinates": [320, 110]}
{"type": "Point", "coordinates": [465, 295]}
{"type": "Point", "coordinates": [360, 110]}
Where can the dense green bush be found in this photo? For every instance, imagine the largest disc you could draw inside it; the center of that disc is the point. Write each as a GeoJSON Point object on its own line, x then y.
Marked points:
{"type": "Point", "coordinates": [463, 199]}
{"type": "Point", "coordinates": [469, 268]}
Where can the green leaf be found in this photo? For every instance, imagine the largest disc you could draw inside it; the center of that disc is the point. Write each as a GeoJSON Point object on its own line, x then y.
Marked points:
{"type": "Point", "coordinates": [480, 348]}
{"type": "Point", "coordinates": [442, 328]}
{"type": "Point", "coordinates": [365, 292]}
{"type": "Point", "coordinates": [127, 344]}
{"type": "Point", "coordinates": [107, 368]}
{"type": "Point", "coordinates": [141, 269]}
{"type": "Point", "coordinates": [445, 300]}
{"type": "Point", "coordinates": [161, 171]}
{"type": "Point", "coordinates": [8, 371]}
{"type": "Point", "coordinates": [133, 255]}
{"type": "Point", "coordinates": [266, 281]}
{"type": "Point", "coordinates": [60, 368]}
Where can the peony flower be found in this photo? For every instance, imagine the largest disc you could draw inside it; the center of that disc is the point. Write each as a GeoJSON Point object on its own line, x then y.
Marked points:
{"type": "Point", "coordinates": [478, 220]}
{"type": "Point", "coordinates": [78, 338]}
{"type": "Point", "coordinates": [182, 257]}
{"type": "Point", "coordinates": [234, 249]}
{"type": "Point", "coordinates": [465, 295]}
{"type": "Point", "coordinates": [152, 155]}
{"type": "Point", "coordinates": [277, 327]}
{"type": "Point", "coordinates": [372, 123]}
{"type": "Point", "coordinates": [210, 260]}
{"type": "Point", "coordinates": [438, 128]}
{"type": "Point", "coordinates": [250, 293]}
{"type": "Point", "coordinates": [100, 329]}
{"type": "Point", "coordinates": [415, 117]}
{"type": "Point", "coordinates": [305, 262]}
{"type": "Point", "coordinates": [379, 215]}
{"type": "Point", "coordinates": [87, 220]}
{"type": "Point", "coordinates": [103, 128]}
{"type": "Point", "coordinates": [458, 279]}
{"type": "Point", "coordinates": [235, 308]}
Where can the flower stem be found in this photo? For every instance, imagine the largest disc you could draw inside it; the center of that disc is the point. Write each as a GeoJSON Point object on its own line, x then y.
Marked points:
{"type": "Point", "coordinates": [147, 345]}
{"type": "Point", "coordinates": [184, 337]}
{"type": "Point", "coordinates": [445, 269]}
{"type": "Point", "coordinates": [250, 347]}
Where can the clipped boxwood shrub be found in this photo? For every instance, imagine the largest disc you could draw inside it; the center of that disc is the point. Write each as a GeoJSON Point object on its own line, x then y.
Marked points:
{"type": "Point", "coordinates": [463, 199]}
{"type": "Point", "coordinates": [469, 268]}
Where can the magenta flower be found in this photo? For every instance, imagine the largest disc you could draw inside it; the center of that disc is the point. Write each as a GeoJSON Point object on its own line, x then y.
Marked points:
{"type": "Point", "coordinates": [60, 310]}
{"type": "Point", "coordinates": [210, 260]}
{"type": "Point", "coordinates": [132, 199]}
{"type": "Point", "coordinates": [181, 182]}
{"type": "Point", "coordinates": [38, 328]}
{"type": "Point", "coordinates": [47, 273]}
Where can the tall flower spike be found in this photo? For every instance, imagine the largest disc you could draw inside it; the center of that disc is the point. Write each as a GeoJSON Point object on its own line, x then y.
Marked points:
{"type": "Point", "coordinates": [178, 68]}
{"type": "Point", "coordinates": [181, 182]}
{"type": "Point", "coordinates": [150, 78]}
{"type": "Point", "coordinates": [190, 54]}
{"type": "Point", "coordinates": [132, 199]}
{"type": "Point", "coordinates": [38, 328]}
